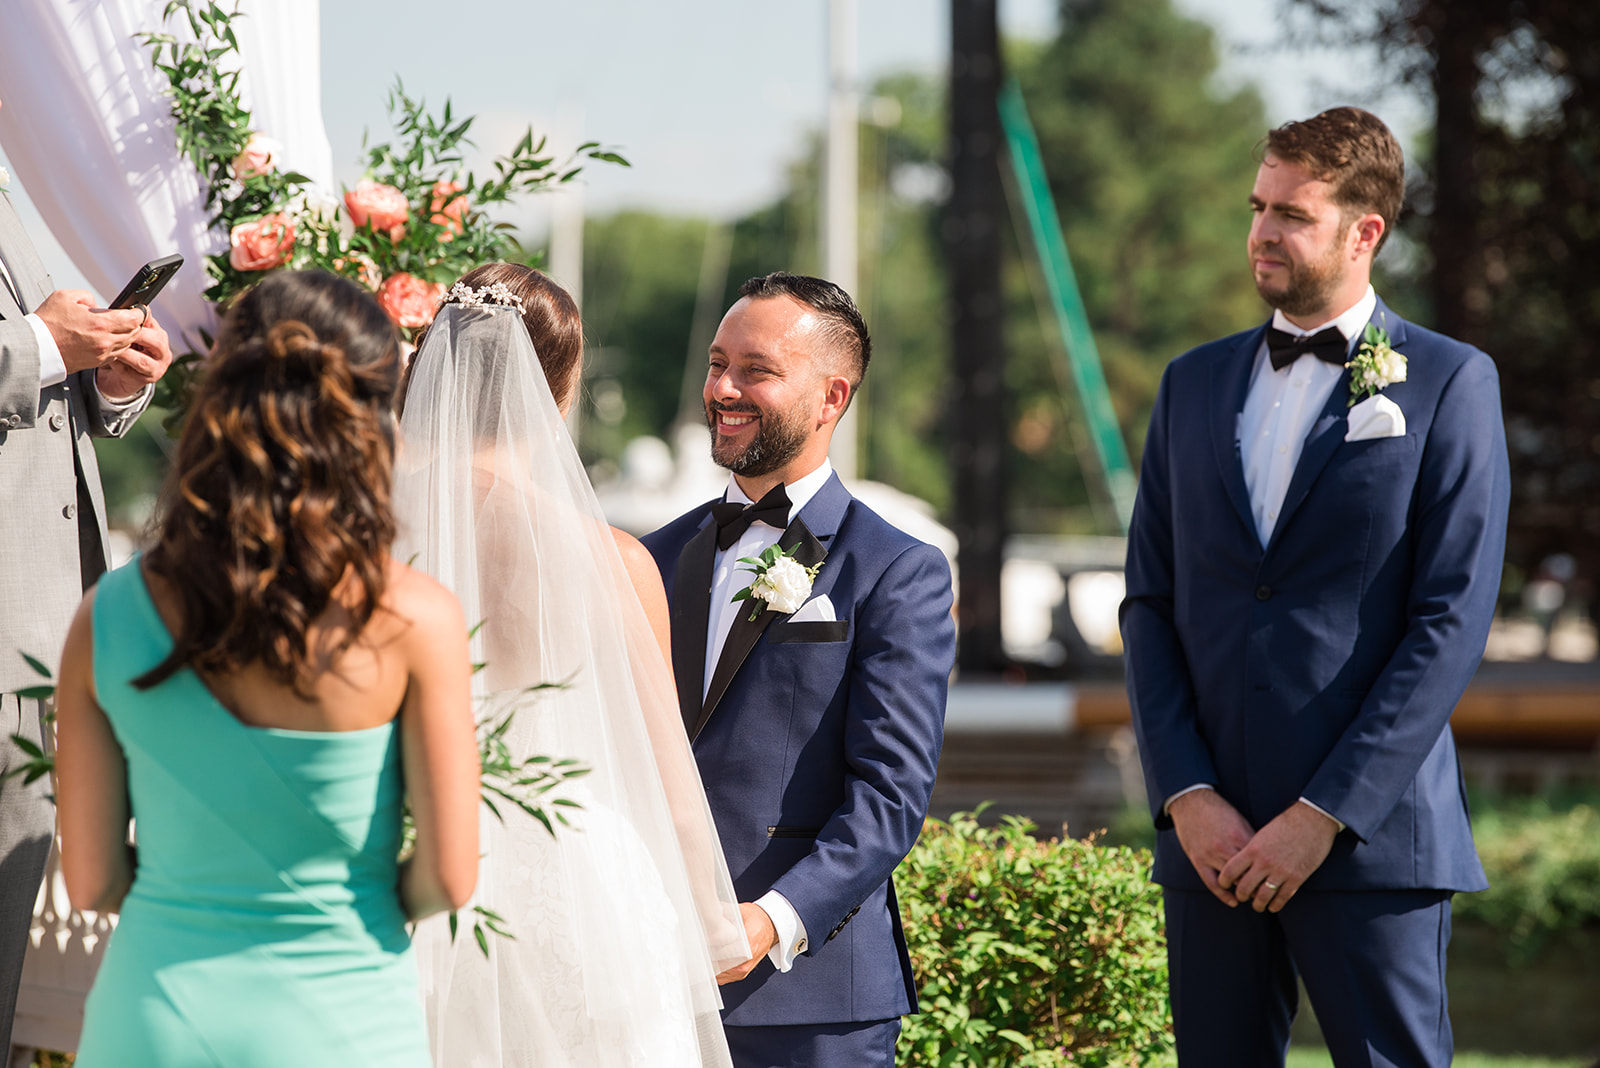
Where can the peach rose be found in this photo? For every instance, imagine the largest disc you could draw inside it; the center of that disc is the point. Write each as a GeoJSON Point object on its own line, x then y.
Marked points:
{"type": "Point", "coordinates": [448, 208]}
{"type": "Point", "coordinates": [409, 300]}
{"type": "Point", "coordinates": [261, 244]}
{"type": "Point", "coordinates": [382, 206]}
{"type": "Point", "coordinates": [260, 156]}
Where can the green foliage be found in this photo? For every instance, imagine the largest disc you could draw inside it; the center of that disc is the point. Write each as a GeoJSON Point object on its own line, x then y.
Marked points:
{"type": "Point", "coordinates": [1034, 953]}
{"type": "Point", "coordinates": [445, 233]}
{"type": "Point", "coordinates": [1542, 857]}
{"type": "Point", "coordinates": [37, 762]}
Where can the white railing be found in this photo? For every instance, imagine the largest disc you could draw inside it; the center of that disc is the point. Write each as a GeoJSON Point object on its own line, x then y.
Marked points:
{"type": "Point", "coordinates": [64, 951]}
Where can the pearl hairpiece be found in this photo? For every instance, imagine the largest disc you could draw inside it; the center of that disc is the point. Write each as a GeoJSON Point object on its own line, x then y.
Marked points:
{"type": "Point", "coordinates": [493, 295]}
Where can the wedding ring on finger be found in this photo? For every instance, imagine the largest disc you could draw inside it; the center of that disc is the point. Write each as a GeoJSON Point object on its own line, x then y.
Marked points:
{"type": "Point", "coordinates": [1271, 886]}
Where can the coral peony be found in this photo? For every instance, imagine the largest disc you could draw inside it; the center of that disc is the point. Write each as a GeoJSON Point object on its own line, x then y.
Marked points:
{"type": "Point", "coordinates": [448, 208]}
{"type": "Point", "coordinates": [261, 244]}
{"type": "Point", "coordinates": [260, 156]}
{"type": "Point", "coordinates": [409, 300]}
{"type": "Point", "coordinates": [382, 206]}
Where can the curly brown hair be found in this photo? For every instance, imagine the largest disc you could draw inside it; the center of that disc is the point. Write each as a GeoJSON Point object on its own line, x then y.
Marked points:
{"type": "Point", "coordinates": [281, 485]}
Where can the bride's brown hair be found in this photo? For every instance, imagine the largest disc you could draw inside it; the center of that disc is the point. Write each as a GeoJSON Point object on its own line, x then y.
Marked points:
{"type": "Point", "coordinates": [281, 486]}
{"type": "Point", "coordinates": [551, 316]}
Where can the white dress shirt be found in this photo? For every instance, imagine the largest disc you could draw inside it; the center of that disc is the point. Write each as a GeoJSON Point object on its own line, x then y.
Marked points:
{"type": "Point", "coordinates": [728, 577]}
{"type": "Point", "coordinates": [52, 368]}
{"type": "Point", "coordinates": [1279, 411]}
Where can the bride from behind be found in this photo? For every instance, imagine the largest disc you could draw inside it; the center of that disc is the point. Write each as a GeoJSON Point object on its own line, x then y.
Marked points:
{"type": "Point", "coordinates": [621, 919]}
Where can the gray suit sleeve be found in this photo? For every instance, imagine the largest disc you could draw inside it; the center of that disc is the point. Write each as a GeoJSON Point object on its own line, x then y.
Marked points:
{"type": "Point", "coordinates": [19, 373]}
{"type": "Point", "coordinates": [109, 418]}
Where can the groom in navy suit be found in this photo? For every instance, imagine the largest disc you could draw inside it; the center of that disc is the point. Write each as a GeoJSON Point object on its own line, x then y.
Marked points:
{"type": "Point", "coordinates": [1312, 567]}
{"type": "Point", "coordinates": [816, 716]}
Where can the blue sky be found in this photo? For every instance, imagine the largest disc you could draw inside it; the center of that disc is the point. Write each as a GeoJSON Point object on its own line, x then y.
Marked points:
{"type": "Point", "coordinates": [709, 99]}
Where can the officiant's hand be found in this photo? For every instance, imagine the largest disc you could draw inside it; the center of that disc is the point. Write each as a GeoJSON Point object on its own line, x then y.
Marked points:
{"type": "Point", "coordinates": [762, 936]}
{"type": "Point", "coordinates": [1280, 857]}
{"type": "Point", "coordinates": [87, 336]}
{"type": "Point", "coordinates": [143, 362]}
{"type": "Point", "coordinates": [1211, 832]}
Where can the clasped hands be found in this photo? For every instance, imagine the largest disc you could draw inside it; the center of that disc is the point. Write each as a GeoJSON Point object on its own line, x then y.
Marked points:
{"type": "Point", "coordinates": [127, 348]}
{"type": "Point", "coordinates": [1239, 864]}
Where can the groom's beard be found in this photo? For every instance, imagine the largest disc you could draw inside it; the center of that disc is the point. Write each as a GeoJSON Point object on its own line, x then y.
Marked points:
{"type": "Point", "coordinates": [779, 439]}
{"type": "Point", "coordinates": [1310, 286]}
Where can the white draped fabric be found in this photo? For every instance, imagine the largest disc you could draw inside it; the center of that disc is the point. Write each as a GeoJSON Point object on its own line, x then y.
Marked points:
{"type": "Point", "coordinates": [88, 132]}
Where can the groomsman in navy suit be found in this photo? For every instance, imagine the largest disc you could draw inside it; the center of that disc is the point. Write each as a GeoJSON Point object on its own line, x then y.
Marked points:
{"type": "Point", "coordinates": [816, 718]}
{"type": "Point", "coordinates": [1312, 567]}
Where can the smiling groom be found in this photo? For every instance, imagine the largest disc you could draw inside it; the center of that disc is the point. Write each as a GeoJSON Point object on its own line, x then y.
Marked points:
{"type": "Point", "coordinates": [1312, 566]}
{"type": "Point", "coordinates": [815, 702]}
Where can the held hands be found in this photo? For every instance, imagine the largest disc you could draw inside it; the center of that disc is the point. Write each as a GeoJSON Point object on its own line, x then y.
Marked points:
{"type": "Point", "coordinates": [129, 349]}
{"type": "Point", "coordinates": [1271, 868]}
{"type": "Point", "coordinates": [762, 936]}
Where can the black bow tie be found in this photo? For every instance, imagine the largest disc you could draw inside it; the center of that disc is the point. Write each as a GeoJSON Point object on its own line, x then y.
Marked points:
{"type": "Point", "coordinates": [734, 519]}
{"type": "Point", "coordinates": [1283, 348]}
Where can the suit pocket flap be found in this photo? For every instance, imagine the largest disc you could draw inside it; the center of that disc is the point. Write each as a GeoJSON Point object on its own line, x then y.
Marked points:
{"type": "Point", "coordinates": [814, 630]}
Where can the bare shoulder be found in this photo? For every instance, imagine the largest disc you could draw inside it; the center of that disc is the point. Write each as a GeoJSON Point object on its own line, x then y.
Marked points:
{"type": "Point", "coordinates": [428, 611]}
{"type": "Point", "coordinates": [642, 570]}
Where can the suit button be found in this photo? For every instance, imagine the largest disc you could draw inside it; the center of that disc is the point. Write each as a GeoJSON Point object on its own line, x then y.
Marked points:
{"type": "Point", "coordinates": [70, 510]}
{"type": "Point", "coordinates": [1263, 593]}
{"type": "Point", "coordinates": [57, 421]}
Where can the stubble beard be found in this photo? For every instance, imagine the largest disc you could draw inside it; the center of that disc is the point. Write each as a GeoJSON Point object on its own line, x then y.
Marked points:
{"type": "Point", "coordinates": [779, 439]}
{"type": "Point", "coordinates": [1310, 286]}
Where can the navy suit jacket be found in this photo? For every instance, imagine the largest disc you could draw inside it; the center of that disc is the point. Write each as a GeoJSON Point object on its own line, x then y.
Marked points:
{"type": "Point", "coordinates": [1325, 664]}
{"type": "Point", "coordinates": [818, 744]}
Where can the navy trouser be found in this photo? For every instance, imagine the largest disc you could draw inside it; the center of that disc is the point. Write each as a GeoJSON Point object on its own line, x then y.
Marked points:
{"type": "Point", "coordinates": [1373, 964]}
{"type": "Point", "coordinates": [846, 1045]}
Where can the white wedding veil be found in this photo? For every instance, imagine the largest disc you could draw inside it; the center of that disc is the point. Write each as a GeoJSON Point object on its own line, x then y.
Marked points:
{"type": "Point", "coordinates": [621, 921]}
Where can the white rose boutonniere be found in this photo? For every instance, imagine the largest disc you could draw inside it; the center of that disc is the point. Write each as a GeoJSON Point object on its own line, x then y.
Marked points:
{"type": "Point", "coordinates": [1376, 365]}
{"type": "Point", "coordinates": [780, 580]}
{"type": "Point", "coordinates": [5, 178]}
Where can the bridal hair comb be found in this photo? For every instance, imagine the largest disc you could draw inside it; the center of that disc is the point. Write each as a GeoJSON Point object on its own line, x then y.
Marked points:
{"type": "Point", "coordinates": [493, 295]}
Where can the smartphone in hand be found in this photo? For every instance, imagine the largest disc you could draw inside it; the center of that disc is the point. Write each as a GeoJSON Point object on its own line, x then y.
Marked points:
{"type": "Point", "coordinates": [149, 281]}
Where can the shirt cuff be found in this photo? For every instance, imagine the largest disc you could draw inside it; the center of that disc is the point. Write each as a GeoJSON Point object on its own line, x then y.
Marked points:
{"type": "Point", "coordinates": [1166, 806]}
{"type": "Point", "coordinates": [1324, 811]}
{"type": "Point", "coordinates": [791, 930]}
{"type": "Point", "coordinates": [115, 406]}
{"type": "Point", "coordinates": [52, 368]}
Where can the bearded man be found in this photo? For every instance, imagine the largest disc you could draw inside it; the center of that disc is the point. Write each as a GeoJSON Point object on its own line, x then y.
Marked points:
{"type": "Point", "coordinates": [816, 702]}
{"type": "Point", "coordinates": [1313, 563]}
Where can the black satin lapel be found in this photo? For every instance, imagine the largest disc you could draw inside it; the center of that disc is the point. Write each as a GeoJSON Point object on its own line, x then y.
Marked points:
{"type": "Point", "coordinates": [1327, 433]}
{"type": "Point", "coordinates": [1230, 382]}
{"type": "Point", "coordinates": [745, 632]}
{"type": "Point", "coordinates": [691, 613]}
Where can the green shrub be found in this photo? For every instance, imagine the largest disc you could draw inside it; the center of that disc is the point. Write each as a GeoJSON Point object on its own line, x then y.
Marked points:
{"type": "Point", "coordinates": [1543, 862]}
{"type": "Point", "coordinates": [1040, 954]}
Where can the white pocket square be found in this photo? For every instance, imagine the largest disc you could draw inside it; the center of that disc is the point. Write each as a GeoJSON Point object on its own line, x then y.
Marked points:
{"type": "Point", "coordinates": [816, 610]}
{"type": "Point", "coordinates": [1376, 417]}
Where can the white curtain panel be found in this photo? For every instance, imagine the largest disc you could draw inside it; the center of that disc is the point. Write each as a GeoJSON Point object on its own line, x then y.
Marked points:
{"type": "Point", "coordinates": [88, 132]}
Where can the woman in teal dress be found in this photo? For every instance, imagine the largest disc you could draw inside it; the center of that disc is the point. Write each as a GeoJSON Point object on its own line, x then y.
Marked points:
{"type": "Point", "coordinates": [262, 693]}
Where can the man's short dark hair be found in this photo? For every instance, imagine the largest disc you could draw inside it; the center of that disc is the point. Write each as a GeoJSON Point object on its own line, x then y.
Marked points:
{"type": "Point", "coordinates": [1354, 152]}
{"type": "Point", "coordinates": [842, 326]}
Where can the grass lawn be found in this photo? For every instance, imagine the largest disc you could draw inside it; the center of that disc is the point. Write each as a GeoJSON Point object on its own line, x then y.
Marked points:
{"type": "Point", "coordinates": [1313, 1057]}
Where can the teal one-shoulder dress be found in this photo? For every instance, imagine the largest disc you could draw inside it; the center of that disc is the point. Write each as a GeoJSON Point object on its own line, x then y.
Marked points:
{"type": "Point", "coordinates": [263, 927]}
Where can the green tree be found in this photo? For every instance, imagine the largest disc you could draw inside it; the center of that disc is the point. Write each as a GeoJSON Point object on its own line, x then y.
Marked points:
{"type": "Point", "coordinates": [1151, 165]}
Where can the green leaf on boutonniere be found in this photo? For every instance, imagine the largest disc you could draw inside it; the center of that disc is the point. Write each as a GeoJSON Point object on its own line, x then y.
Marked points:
{"type": "Point", "coordinates": [1375, 366]}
